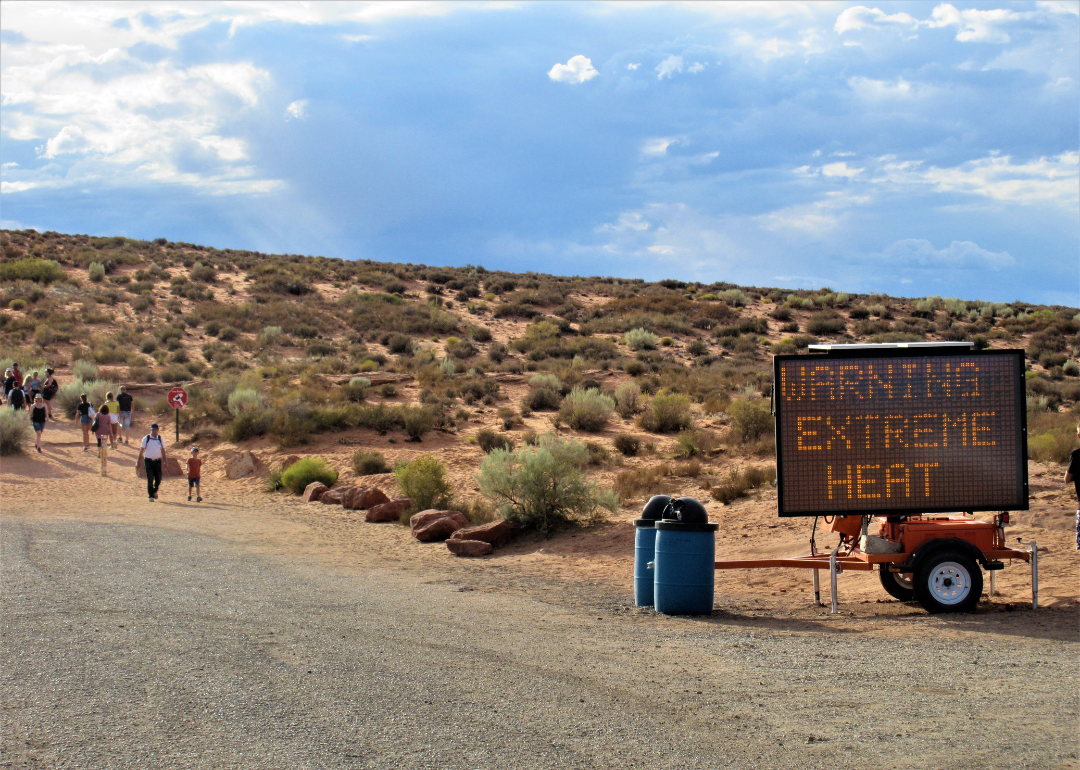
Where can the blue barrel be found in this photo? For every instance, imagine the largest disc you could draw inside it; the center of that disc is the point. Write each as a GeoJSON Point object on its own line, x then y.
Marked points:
{"type": "Point", "coordinates": [684, 561]}
{"type": "Point", "coordinates": [644, 539]}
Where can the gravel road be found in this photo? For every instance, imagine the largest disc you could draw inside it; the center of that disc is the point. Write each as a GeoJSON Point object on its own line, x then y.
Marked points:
{"type": "Point", "coordinates": [137, 646]}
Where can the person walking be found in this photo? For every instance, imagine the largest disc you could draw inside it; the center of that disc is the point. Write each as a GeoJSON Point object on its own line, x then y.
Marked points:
{"type": "Point", "coordinates": [34, 389]}
{"type": "Point", "coordinates": [152, 455]}
{"type": "Point", "coordinates": [9, 382]}
{"type": "Point", "coordinates": [194, 474]}
{"type": "Point", "coordinates": [114, 416]}
{"type": "Point", "coordinates": [102, 427]}
{"type": "Point", "coordinates": [17, 398]}
{"type": "Point", "coordinates": [49, 389]}
{"type": "Point", "coordinates": [125, 402]}
{"type": "Point", "coordinates": [17, 373]}
{"type": "Point", "coordinates": [1072, 476]}
{"type": "Point", "coordinates": [84, 415]}
{"type": "Point", "coordinates": [38, 415]}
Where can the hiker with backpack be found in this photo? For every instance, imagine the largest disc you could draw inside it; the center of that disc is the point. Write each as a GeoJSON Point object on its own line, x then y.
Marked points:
{"type": "Point", "coordinates": [17, 398]}
{"type": "Point", "coordinates": [152, 455]}
{"type": "Point", "coordinates": [125, 401]}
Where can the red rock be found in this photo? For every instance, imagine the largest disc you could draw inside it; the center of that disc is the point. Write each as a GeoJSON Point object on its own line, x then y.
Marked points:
{"type": "Point", "coordinates": [388, 511]}
{"type": "Point", "coordinates": [332, 497]}
{"type": "Point", "coordinates": [496, 532]}
{"type": "Point", "coordinates": [289, 461]}
{"type": "Point", "coordinates": [350, 498]}
{"type": "Point", "coordinates": [469, 547]}
{"type": "Point", "coordinates": [424, 518]}
{"type": "Point", "coordinates": [440, 528]}
{"type": "Point", "coordinates": [170, 469]}
{"type": "Point", "coordinates": [313, 491]}
{"type": "Point", "coordinates": [370, 497]}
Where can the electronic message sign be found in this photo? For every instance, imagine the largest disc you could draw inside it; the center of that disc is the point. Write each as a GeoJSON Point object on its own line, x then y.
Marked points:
{"type": "Point", "coordinates": [904, 431]}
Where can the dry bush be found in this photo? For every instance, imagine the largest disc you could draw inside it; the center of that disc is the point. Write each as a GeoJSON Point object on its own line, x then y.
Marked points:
{"type": "Point", "coordinates": [369, 463]}
{"type": "Point", "coordinates": [587, 410]}
{"type": "Point", "coordinates": [1051, 436]}
{"type": "Point", "coordinates": [637, 482]}
{"type": "Point", "coordinates": [627, 444]}
{"type": "Point", "coordinates": [737, 484]}
{"type": "Point", "coordinates": [666, 413]}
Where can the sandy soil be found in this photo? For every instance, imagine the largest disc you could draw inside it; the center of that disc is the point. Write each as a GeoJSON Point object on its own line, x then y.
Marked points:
{"type": "Point", "coordinates": [64, 482]}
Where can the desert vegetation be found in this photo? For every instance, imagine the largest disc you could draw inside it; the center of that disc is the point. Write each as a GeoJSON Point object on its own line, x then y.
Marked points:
{"type": "Point", "coordinates": [613, 384]}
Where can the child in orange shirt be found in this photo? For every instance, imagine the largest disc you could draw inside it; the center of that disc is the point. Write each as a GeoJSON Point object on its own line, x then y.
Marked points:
{"type": "Point", "coordinates": [194, 471]}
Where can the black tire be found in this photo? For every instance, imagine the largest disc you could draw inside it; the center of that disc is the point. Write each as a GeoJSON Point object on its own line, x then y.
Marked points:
{"type": "Point", "coordinates": [948, 581]}
{"type": "Point", "coordinates": [896, 585]}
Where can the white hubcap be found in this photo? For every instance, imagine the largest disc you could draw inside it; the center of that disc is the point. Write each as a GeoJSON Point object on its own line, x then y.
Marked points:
{"type": "Point", "coordinates": [950, 583]}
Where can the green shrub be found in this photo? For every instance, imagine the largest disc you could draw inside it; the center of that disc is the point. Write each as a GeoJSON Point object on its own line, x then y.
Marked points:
{"type": "Point", "coordinates": [488, 440]}
{"type": "Point", "coordinates": [96, 272]}
{"type": "Point", "coordinates": [424, 482]}
{"type": "Point", "coordinates": [17, 304]}
{"type": "Point", "coordinates": [693, 443]}
{"type": "Point", "coordinates": [174, 374]}
{"type": "Point", "coordinates": [14, 432]}
{"type": "Point", "coordinates": [1052, 436]}
{"type": "Point", "coordinates": [736, 484]}
{"type": "Point", "coordinates": [357, 389]}
{"type": "Point", "coordinates": [84, 370]}
{"type": "Point", "coordinates": [245, 401]}
{"type": "Point", "coordinates": [627, 444]}
{"type": "Point", "coordinates": [587, 410]}
{"type": "Point", "coordinates": [379, 417]}
{"type": "Point", "coordinates": [417, 421]}
{"type": "Point", "coordinates": [824, 323]}
{"type": "Point", "coordinates": [666, 413]}
{"type": "Point", "coordinates": [246, 426]}
{"type": "Point", "coordinates": [369, 462]}
{"type": "Point", "coordinates": [749, 419]}
{"type": "Point", "coordinates": [542, 399]}
{"type": "Point", "coordinates": [544, 486]}
{"type": "Point", "coordinates": [627, 397]}
{"type": "Point", "coordinates": [44, 271]}
{"type": "Point", "coordinates": [68, 397]}
{"type": "Point", "coordinates": [641, 339]}
{"type": "Point", "coordinates": [304, 471]}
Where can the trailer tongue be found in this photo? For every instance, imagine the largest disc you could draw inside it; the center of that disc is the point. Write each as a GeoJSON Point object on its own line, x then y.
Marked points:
{"type": "Point", "coordinates": [903, 436]}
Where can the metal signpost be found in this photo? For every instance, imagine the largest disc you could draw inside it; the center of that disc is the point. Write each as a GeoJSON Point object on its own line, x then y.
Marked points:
{"type": "Point", "coordinates": [177, 399]}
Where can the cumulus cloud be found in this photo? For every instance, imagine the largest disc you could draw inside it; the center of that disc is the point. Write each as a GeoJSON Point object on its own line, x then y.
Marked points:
{"type": "Point", "coordinates": [577, 70]}
{"type": "Point", "coordinates": [669, 67]}
{"type": "Point", "coordinates": [860, 16]}
{"type": "Point", "coordinates": [633, 65]}
{"type": "Point", "coordinates": [974, 25]}
{"type": "Point", "coordinates": [695, 67]}
{"type": "Point", "coordinates": [1046, 179]}
{"type": "Point", "coordinates": [297, 109]}
{"type": "Point", "coordinates": [963, 255]}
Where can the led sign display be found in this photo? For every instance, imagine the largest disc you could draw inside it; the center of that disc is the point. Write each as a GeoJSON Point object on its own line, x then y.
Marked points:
{"type": "Point", "coordinates": [899, 430]}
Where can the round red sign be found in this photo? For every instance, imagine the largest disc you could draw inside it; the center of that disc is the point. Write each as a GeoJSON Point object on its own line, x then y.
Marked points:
{"type": "Point", "coordinates": [177, 398]}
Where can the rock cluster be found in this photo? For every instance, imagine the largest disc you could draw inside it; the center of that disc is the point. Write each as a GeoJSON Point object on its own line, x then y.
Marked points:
{"type": "Point", "coordinates": [429, 526]}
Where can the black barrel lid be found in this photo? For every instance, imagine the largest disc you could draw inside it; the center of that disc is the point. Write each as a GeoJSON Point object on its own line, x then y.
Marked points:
{"type": "Point", "coordinates": [687, 514]}
{"type": "Point", "coordinates": [653, 511]}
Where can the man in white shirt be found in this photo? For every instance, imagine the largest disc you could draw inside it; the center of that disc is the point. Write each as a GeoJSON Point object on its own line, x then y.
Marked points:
{"type": "Point", "coordinates": [152, 454]}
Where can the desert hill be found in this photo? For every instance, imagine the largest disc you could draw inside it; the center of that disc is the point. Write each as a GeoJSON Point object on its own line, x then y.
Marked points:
{"type": "Point", "coordinates": [286, 354]}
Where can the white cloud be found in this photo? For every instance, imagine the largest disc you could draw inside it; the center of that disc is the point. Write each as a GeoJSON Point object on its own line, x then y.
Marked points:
{"type": "Point", "coordinates": [695, 67]}
{"type": "Point", "coordinates": [1048, 179]}
{"type": "Point", "coordinates": [633, 66]}
{"type": "Point", "coordinates": [10, 164]}
{"type": "Point", "coordinates": [876, 89]}
{"type": "Point", "coordinates": [860, 16]}
{"type": "Point", "coordinates": [108, 118]}
{"type": "Point", "coordinates": [657, 147]}
{"type": "Point", "coordinates": [357, 38]}
{"type": "Point", "coordinates": [297, 109]}
{"type": "Point", "coordinates": [841, 169]}
{"type": "Point", "coordinates": [669, 67]}
{"type": "Point", "coordinates": [965, 255]}
{"type": "Point", "coordinates": [974, 25]}
{"type": "Point", "coordinates": [577, 70]}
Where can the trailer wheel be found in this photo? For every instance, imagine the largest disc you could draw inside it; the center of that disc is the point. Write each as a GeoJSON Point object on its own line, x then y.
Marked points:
{"type": "Point", "coordinates": [896, 584]}
{"type": "Point", "coordinates": [948, 581]}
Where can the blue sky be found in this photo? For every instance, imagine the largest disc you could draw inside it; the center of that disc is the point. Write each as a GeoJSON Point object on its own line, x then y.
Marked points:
{"type": "Point", "coordinates": [904, 148]}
